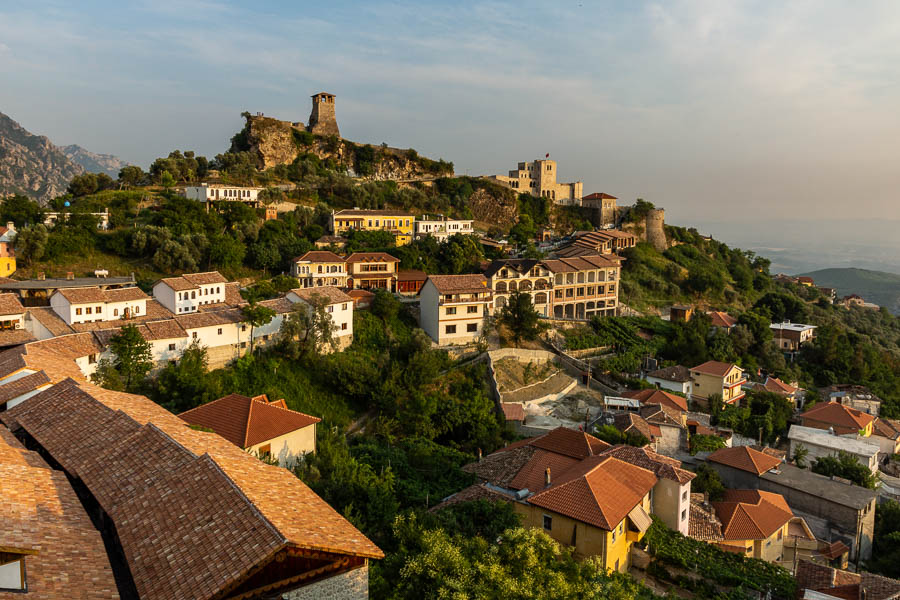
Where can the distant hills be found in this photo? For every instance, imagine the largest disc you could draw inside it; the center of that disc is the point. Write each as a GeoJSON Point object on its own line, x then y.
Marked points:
{"type": "Point", "coordinates": [93, 162]}
{"type": "Point", "coordinates": [33, 166]}
{"type": "Point", "coordinates": [874, 286]}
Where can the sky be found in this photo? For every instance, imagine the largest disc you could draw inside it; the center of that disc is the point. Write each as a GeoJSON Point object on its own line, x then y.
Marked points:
{"type": "Point", "coordinates": [715, 110]}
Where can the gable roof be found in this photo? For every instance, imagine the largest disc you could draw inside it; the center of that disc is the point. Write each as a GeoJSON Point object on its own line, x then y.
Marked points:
{"type": "Point", "coordinates": [332, 294]}
{"type": "Point", "coordinates": [721, 319]}
{"type": "Point", "coordinates": [675, 373]}
{"type": "Point", "coordinates": [191, 281]}
{"type": "Point", "coordinates": [703, 524]}
{"type": "Point", "coordinates": [570, 442]}
{"type": "Point", "coordinates": [519, 265]}
{"type": "Point", "coordinates": [745, 459]}
{"type": "Point", "coordinates": [600, 491]}
{"type": "Point", "coordinates": [598, 196]}
{"type": "Point", "coordinates": [629, 422]}
{"type": "Point", "coordinates": [661, 466]}
{"type": "Point", "coordinates": [777, 386]}
{"type": "Point", "coordinates": [654, 396]}
{"type": "Point", "coordinates": [246, 421]}
{"type": "Point", "coordinates": [751, 514]}
{"type": "Point", "coordinates": [714, 367]}
{"type": "Point", "coordinates": [319, 256]}
{"type": "Point", "coordinates": [371, 257]}
{"type": "Point", "coordinates": [82, 295]}
{"type": "Point", "coordinates": [660, 414]}
{"type": "Point", "coordinates": [10, 305]}
{"type": "Point", "coordinates": [449, 284]}
{"type": "Point", "coordinates": [838, 415]}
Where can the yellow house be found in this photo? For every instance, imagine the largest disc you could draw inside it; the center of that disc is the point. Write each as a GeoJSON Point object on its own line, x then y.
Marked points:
{"type": "Point", "coordinates": [600, 507]}
{"type": "Point", "coordinates": [267, 429]}
{"type": "Point", "coordinates": [7, 253]}
{"type": "Point", "coordinates": [398, 223]}
{"type": "Point", "coordinates": [714, 377]}
{"type": "Point", "coordinates": [754, 523]}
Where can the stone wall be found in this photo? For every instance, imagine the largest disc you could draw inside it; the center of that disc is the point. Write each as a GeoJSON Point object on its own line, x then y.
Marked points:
{"type": "Point", "coordinates": [352, 585]}
{"type": "Point", "coordinates": [655, 230]}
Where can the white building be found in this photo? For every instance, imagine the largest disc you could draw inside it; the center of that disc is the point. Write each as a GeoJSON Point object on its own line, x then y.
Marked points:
{"type": "Point", "coordinates": [820, 442]}
{"type": "Point", "coordinates": [318, 268]}
{"type": "Point", "coordinates": [215, 192]}
{"type": "Point", "coordinates": [441, 228]}
{"type": "Point", "coordinates": [185, 294]}
{"type": "Point", "coordinates": [93, 305]}
{"type": "Point", "coordinates": [453, 307]}
{"type": "Point", "coordinates": [676, 379]}
{"type": "Point", "coordinates": [52, 218]}
{"type": "Point", "coordinates": [339, 307]}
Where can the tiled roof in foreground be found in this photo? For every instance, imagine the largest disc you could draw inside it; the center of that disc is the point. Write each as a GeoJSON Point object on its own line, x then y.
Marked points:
{"type": "Point", "coordinates": [196, 516]}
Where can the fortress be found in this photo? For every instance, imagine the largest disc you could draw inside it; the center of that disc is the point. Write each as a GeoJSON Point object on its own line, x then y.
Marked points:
{"type": "Point", "coordinates": [322, 120]}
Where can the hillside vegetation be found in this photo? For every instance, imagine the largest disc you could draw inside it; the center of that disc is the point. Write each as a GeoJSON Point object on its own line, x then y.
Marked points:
{"type": "Point", "coordinates": [878, 287]}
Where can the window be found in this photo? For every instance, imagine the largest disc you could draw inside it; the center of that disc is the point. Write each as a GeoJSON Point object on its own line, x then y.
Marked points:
{"type": "Point", "coordinates": [748, 549]}
{"type": "Point", "coordinates": [471, 310]}
{"type": "Point", "coordinates": [179, 295]}
{"type": "Point", "coordinates": [77, 311]}
{"type": "Point", "coordinates": [171, 347]}
{"type": "Point", "coordinates": [194, 334]}
{"type": "Point", "coordinates": [684, 514]}
{"type": "Point", "coordinates": [87, 310]}
{"type": "Point", "coordinates": [92, 359]}
{"type": "Point", "coordinates": [684, 496]}
{"type": "Point", "coordinates": [343, 327]}
{"type": "Point", "coordinates": [137, 310]}
{"type": "Point", "coordinates": [451, 310]}
{"type": "Point", "coordinates": [548, 522]}
{"type": "Point", "coordinates": [450, 329]}
{"type": "Point", "coordinates": [243, 328]}
{"type": "Point", "coordinates": [220, 331]}
{"type": "Point", "coordinates": [779, 534]}
{"type": "Point", "coordinates": [472, 327]}
{"type": "Point", "coordinates": [265, 451]}
{"type": "Point", "coordinates": [115, 312]}
{"type": "Point", "coordinates": [12, 571]}
{"type": "Point", "coordinates": [193, 295]}
{"type": "Point", "coordinates": [344, 306]}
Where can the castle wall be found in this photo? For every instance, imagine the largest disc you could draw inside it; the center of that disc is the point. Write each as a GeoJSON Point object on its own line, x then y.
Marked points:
{"type": "Point", "coordinates": [654, 225]}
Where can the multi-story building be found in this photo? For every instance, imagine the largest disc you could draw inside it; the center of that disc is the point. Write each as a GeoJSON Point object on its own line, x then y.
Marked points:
{"type": "Point", "coordinates": [604, 204]}
{"type": "Point", "coordinates": [526, 275]}
{"type": "Point", "coordinates": [188, 292]}
{"type": "Point", "coordinates": [397, 222]}
{"type": "Point", "coordinates": [834, 416]}
{"type": "Point", "coordinates": [216, 192]}
{"type": "Point", "coordinates": [608, 241]}
{"type": "Point", "coordinates": [91, 304]}
{"type": "Point", "coordinates": [319, 268]}
{"type": "Point", "coordinates": [372, 271]}
{"type": "Point", "coordinates": [585, 286]}
{"type": "Point", "coordinates": [442, 227]}
{"type": "Point", "coordinates": [754, 523]}
{"type": "Point", "coordinates": [338, 305]}
{"type": "Point", "coordinates": [538, 178]}
{"type": "Point", "coordinates": [453, 307]}
{"type": "Point", "coordinates": [718, 378]}
{"type": "Point", "coordinates": [819, 443]}
{"type": "Point", "coordinates": [7, 252]}
{"type": "Point", "coordinates": [790, 336]}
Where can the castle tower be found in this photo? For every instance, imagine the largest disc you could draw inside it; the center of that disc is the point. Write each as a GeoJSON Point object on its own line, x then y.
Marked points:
{"type": "Point", "coordinates": [654, 224]}
{"type": "Point", "coordinates": [322, 120]}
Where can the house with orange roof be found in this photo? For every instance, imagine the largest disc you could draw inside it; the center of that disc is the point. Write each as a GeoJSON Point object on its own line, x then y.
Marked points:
{"type": "Point", "coordinates": [453, 307]}
{"type": "Point", "coordinates": [187, 293]}
{"type": "Point", "coordinates": [839, 418]}
{"type": "Point", "coordinates": [714, 378]}
{"type": "Point", "coordinates": [372, 271]}
{"type": "Point", "coordinates": [678, 403]}
{"type": "Point", "coordinates": [319, 268]}
{"type": "Point", "coordinates": [721, 320]}
{"type": "Point", "coordinates": [600, 493]}
{"type": "Point", "coordinates": [754, 523]}
{"type": "Point", "coordinates": [773, 385]}
{"type": "Point", "coordinates": [258, 426]}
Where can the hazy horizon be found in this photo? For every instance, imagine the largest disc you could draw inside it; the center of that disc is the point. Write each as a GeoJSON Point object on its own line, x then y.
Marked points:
{"type": "Point", "coordinates": [712, 110]}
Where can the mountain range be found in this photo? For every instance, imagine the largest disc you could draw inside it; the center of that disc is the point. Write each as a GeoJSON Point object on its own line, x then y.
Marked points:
{"type": "Point", "coordinates": [33, 166]}
{"type": "Point", "coordinates": [878, 287]}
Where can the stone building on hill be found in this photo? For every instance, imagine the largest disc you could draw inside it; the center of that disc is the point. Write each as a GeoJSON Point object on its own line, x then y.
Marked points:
{"type": "Point", "coordinates": [538, 178]}
{"type": "Point", "coordinates": [322, 120]}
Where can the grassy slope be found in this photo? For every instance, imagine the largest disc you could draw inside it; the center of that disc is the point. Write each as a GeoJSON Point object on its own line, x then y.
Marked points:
{"type": "Point", "coordinates": [875, 286]}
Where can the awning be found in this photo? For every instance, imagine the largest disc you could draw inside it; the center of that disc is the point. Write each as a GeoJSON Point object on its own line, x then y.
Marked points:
{"type": "Point", "coordinates": [640, 519]}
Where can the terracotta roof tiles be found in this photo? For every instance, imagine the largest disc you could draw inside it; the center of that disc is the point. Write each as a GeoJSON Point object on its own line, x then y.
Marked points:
{"type": "Point", "coordinates": [703, 524]}
{"type": "Point", "coordinates": [82, 295]}
{"type": "Point", "coordinates": [659, 397]}
{"type": "Point", "coordinates": [371, 257]}
{"type": "Point", "coordinates": [330, 293]}
{"type": "Point", "coordinates": [662, 466]}
{"type": "Point", "coordinates": [10, 305]}
{"type": "Point", "coordinates": [745, 459]}
{"type": "Point", "coordinates": [837, 414]}
{"type": "Point", "coordinates": [570, 442]}
{"type": "Point", "coordinates": [319, 256]}
{"type": "Point", "coordinates": [453, 284]}
{"type": "Point", "coordinates": [751, 514]}
{"type": "Point", "coordinates": [714, 367]}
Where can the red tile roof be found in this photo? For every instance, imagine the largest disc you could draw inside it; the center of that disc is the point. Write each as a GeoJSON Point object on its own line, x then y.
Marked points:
{"type": "Point", "coordinates": [600, 491]}
{"type": "Point", "coordinates": [451, 284]}
{"type": "Point", "coordinates": [714, 367]}
{"type": "Point", "coordinates": [598, 196]}
{"type": "Point", "coordinates": [371, 257]}
{"type": "Point", "coordinates": [659, 397]}
{"type": "Point", "coordinates": [10, 305]}
{"type": "Point", "coordinates": [569, 442]}
{"type": "Point", "coordinates": [246, 421]}
{"type": "Point", "coordinates": [703, 524]}
{"type": "Point", "coordinates": [777, 386]}
{"type": "Point", "coordinates": [82, 295]}
{"type": "Point", "coordinates": [751, 514]}
{"type": "Point", "coordinates": [662, 466]}
{"type": "Point", "coordinates": [745, 459]}
{"type": "Point", "coordinates": [319, 256]}
{"type": "Point", "coordinates": [838, 415]}
{"type": "Point", "coordinates": [513, 411]}
{"type": "Point", "coordinates": [332, 294]}
{"type": "Point", "coordinates": [721, 319]}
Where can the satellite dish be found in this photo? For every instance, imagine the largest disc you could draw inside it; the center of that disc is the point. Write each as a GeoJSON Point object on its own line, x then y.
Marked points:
{"type": "Point", "coordinates": [66, 203]}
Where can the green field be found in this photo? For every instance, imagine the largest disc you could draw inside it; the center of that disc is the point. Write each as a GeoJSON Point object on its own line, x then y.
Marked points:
{"type": "Point", "coordinates": [874, 286]}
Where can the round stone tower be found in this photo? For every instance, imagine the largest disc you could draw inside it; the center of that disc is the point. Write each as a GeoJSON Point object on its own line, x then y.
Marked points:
{"type": "Point", "coordinates": [656, 234]}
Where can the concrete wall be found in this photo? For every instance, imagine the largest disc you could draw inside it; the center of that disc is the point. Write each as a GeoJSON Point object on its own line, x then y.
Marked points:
{"type": "Point", "coordinates": [820, 450]}
{"type": "Point", "coordinates": [352, 585]}
{"type": "Point", "coordinates": [288, 448]}
{"type": "Point", "coordinates": [670, 500]}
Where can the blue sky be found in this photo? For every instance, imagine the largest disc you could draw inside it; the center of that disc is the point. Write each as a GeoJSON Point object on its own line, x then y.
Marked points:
{"type": "Point", "coordinates": [711, 109]}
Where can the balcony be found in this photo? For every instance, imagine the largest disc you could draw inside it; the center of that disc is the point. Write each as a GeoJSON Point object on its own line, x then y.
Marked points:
{"type": "Point", "coordinates": [464, 298]}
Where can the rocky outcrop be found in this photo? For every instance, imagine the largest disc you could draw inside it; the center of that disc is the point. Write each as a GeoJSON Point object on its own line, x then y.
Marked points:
{"type": "Point", "coordinates": [93, 162]}
{"type": "Point", "coordinates": [494, 206]}
{"type": "Point", "coordinates": [31, 165]}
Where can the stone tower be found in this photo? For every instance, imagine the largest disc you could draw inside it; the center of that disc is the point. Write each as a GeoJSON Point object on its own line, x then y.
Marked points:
{"type": "Point", "coordinates": [654, 225]}
{"type": "Point", "coordinates": [322, 120]}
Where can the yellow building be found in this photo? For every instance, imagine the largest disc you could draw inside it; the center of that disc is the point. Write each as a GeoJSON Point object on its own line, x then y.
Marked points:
{"type": "Point", "coordinates": [267, 429]}
{"type": "Point", "coordinates": [714, 377]}
{"type": "Point", "coordinates": [7, 253]}
{"type": "Point", "coordinates": [398, 223]}
{"type": "Point", "coordinates": [754, 523]}
{"type": "Point", "coordinates": [600, 507]}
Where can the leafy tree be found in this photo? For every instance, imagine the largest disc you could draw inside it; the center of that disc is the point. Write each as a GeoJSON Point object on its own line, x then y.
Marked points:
{"type": "Point", "coordinates": [611, 435]}
{"type": "Point", "coordinates": [847, 466]}
{"type": "Point", "coordinates": [886, 541]}
{"type": "Point", "coordinates": [385, 305]}
{"type": "Point", "coordinates": [225, 252]}
{"type": "Point", "coordinates": [708, 481]}
{"type": "Point", "coordinates": [800, 455]}
{"type": "Point", "coordinates": [90, 183]}
{"type": "Point", "coordinates": [22, 211]}
{"type": "Point", "coordinates": [520, 318]}
{"type": "Point", "coordinates": [31, 243]}
{"type": "Point", "coordinates": [166, 180]}
{"type": "Point", "coordinates": [706, 443]}
{"type": "Point", "coordinates": [524, 230]}
{"type": "Point", "coordinates": [309, 327]}
{"type": "Point", "coordinates": [183, 385]}
{"type": "Point", "coordinates": [131, 176]}
{"type": "Point", "coordinates": [256, 315]}
{"type": "Point", "coordinates": [132, 360]}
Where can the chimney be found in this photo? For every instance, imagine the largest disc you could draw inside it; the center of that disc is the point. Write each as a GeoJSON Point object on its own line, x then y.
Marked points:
{"type": "Point", "coordinates": [70, 275]}
{"type": "Point", "coordinates": [547, 477]}
{"type": "Point", "coordinates": [10, 225]}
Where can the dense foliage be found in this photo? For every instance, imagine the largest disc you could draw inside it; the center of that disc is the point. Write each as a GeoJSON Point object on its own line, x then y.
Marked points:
{"type": "Point", "coordinates": [847, 466]}
{"type": "Point", "coordinates": [886, 543]}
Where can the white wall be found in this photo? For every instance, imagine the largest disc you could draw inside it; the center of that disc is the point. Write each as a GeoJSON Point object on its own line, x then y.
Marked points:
{"type": "Point", "coordinates": [116, 310]}
{"type": "Point", "coordinates": [684, 388]}
{"type": "Point", "coordinates": [428, 310]}
{"type": "Point", "coordinates": [341, 314]}
{"type": "Point", "coordinates": [62, 307]}
{"type": "Point", "coordinates": [165, 295]}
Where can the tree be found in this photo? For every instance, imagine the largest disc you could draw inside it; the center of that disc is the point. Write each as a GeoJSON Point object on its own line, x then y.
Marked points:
{"type": "Point", "coordinates": [22, 211]}
{"type": "Point", "coordinates": [385, 306]}
{"type": "Point", "coordinates": [611, 435]}
{"type": "Point", "coordinates": [183, 384]}
{"type": "Point", "coordinates": [31, 243]}
{"type": "Point", "coordinates": [132, 360]}
{"type": "Point", "coordinates": [257, 316]}
{"type": "Point", "coordinates": [520, 318]}
{"type": "Point", "coordinates": [523, 231]}
{"type": "Point", "coordinates": [167, 180]}
{"type": "Point", "coordinates": [847, 466]}
{"type": "Point", "coordinates": [800, 455]}
{"type": "Point", "coordinates": [706, 443]}
{"type": "Point", "coordinates": [131, 175]}
{"type": "Point", "coordinates": [308, 327]}
{"type": "Point", "coordinates": [225, 252]}
{"type": "Point", "coordinates": [708, 481]}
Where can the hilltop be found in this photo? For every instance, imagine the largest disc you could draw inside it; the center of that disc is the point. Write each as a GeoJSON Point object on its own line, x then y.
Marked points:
{"type": "Point", "coordinates": [31, 164]}
{"type": "Point", "coordinates": [93, 162]}
{"type": "Point", "coordinates": [875, 286]}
